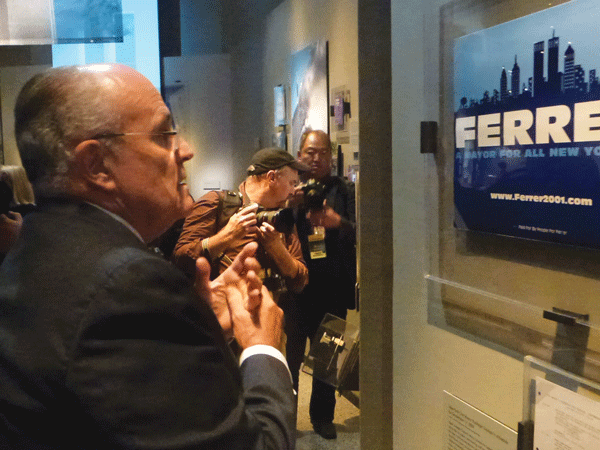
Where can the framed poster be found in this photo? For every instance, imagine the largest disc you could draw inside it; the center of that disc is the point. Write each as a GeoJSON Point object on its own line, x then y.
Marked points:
{"type": "Point", "coordinates": [88, 22]}
{"type": "Point", "coordinates": [279, 106]}
{"type": "Point", "coordinates": [487, 276]}
{"type": "Point", "coordinates": [527, 127]}
{"type": "Point", "coordinates": [309, 91]}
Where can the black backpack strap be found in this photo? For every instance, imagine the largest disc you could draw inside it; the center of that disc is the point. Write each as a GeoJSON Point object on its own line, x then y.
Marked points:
{"type": "Point", "coordinates": [229, 203]}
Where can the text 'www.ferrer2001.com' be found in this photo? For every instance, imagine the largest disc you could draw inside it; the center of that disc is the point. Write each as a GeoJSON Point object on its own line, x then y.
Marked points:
{"type": "Point", "coordinates": [556, 199]}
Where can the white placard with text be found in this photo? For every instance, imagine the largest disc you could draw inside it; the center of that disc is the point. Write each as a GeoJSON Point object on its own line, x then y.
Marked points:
{"type": "Point", "coordinates": [468, 428]}
{"type": "Point", "coordinates": [564, 420]}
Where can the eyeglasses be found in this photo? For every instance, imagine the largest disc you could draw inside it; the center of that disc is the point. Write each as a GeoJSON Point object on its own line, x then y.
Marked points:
{"type": "Point", "coordinates": [172, 137]}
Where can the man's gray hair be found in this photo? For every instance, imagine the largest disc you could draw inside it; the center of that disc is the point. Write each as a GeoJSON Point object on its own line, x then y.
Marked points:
{"type": "Point", "coordinates": [56, 110]}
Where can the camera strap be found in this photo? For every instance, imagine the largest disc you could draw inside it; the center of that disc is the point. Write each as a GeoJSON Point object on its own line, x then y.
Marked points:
{"type": "Point", "coordinates": [229, 203]}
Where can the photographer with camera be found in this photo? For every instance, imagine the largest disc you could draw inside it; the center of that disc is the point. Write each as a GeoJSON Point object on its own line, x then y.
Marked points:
{"type": "Point", "coordinates": [326, 227]}
{"type": "Point", "coordinates": [223, 222]}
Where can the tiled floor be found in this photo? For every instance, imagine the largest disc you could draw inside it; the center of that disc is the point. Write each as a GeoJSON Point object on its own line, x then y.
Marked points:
{"type": "Point", "coordinates": [347, 418]}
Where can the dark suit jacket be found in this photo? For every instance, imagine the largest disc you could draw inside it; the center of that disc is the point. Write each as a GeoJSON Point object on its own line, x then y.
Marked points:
{"type": "Point", "coordinates": [332, 280]}
{"type": "Point", "coordinates": [104, 344]}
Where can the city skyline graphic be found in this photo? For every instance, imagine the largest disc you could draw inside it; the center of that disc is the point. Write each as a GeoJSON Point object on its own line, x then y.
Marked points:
{"type": "Point", "coordinates": [534, 60]}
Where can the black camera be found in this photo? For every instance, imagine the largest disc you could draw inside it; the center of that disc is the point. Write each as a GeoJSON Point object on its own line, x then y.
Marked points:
{"type": "Point", "coordinates": [314, 194]}
{"type": "Point", "coordinates": [282, 219]}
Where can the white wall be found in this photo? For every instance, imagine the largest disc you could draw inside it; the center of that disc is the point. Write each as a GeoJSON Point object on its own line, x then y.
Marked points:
{"type": "Point", "coordinates": [25, 23]}
{"type": "Point", "coordinates": [202, 110]}
{"type": "Point", "coordinates": [428, 359]}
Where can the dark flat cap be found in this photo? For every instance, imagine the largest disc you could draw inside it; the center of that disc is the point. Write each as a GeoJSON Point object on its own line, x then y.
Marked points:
{"type": "Point", "coordinates": [273, 158]}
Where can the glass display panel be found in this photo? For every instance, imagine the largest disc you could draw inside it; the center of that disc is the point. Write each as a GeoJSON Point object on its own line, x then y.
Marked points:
{"type": "Point", "coordinates": [333, 355]}
{"type": "Point", "coordinates": [560, 408]}
{"type": "Point", "coordinates": [138, 46]}
{"type": "Point", "coordinates": [497, 283]}
{"type": "Point", "coordinates": [89, 21]}
{"type": "Point", "coordinates": [527, 144]}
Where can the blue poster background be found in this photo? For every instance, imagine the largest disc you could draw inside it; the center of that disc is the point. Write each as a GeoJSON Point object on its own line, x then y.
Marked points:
{"type": "Point", "coordinates": [527, 127]}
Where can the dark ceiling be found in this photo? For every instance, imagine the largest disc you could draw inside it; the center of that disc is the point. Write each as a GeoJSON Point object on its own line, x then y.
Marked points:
{"type": "Point", "coordinates": [243, 17]}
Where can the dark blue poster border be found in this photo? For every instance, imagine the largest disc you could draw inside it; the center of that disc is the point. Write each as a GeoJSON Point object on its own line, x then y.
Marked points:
{"type": "Point", "coordinates": [527, 127]}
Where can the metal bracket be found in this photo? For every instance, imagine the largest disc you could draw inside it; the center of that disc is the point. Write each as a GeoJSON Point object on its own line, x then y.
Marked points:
{"type": "Point", "coordinates": [429, 137]}
{"type": "Point", "coordinates": [566, 317]}
{"type": "Point", "coordinates": [570, 343]}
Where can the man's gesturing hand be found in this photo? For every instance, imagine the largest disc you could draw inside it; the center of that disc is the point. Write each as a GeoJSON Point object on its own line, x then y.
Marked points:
{"type": "Point", "coordinates": [244, 307]}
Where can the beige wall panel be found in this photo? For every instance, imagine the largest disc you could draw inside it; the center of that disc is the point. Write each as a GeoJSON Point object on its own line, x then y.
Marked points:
{"type": "Point", "coordinates": [429, 359]}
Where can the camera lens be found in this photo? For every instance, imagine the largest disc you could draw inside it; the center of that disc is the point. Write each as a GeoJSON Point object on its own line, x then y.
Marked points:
{"type": "Point", "coordinates": [281, 219]}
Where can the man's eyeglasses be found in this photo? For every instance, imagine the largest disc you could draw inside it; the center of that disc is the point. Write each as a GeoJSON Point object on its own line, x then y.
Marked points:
{"type": "Point", "coordinates": [171, 137]}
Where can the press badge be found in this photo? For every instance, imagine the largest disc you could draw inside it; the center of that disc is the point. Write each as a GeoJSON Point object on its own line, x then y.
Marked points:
{"type": "Point", "coordinates": [316, 243]}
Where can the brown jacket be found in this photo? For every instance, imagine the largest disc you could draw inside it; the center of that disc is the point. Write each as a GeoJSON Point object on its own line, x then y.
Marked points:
{"type": "Point", "coordinates": [202, 223]}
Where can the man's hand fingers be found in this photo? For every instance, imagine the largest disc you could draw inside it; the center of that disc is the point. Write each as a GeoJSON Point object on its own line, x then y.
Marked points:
{"type": "Point", "coordinates": [252, 264]}
{"type": "Point", "coordinates": [255, 286]}
{"type": "Point", "coordinates": [247, 252]}
{"type": "Point", "coordinates": [202, 279]}
{"type": "Point", "coordinates": [267, 227]}
{"type": "Point", "coordinates": [251, 209]}
{"type": "Point", "coordinates": [247, 221]}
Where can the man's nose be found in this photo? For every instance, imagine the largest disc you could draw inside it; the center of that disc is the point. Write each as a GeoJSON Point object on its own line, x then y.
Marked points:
{"type": "Point", "coordinates": [184, 152]}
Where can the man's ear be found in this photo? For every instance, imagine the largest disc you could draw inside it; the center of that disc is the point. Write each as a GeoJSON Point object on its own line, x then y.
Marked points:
{"type": "Point", "coordinates": [271, 175]}
{"type": "Point", "coordinates": [91, 164]}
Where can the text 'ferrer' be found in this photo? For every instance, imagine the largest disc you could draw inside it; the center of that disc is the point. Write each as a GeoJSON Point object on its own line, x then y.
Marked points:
{"type": "Point", "coordinates": [513, 127]}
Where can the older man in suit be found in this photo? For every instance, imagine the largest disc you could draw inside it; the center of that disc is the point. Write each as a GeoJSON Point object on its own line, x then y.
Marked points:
{"type": "Point", "coordinates": [104, 344]}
